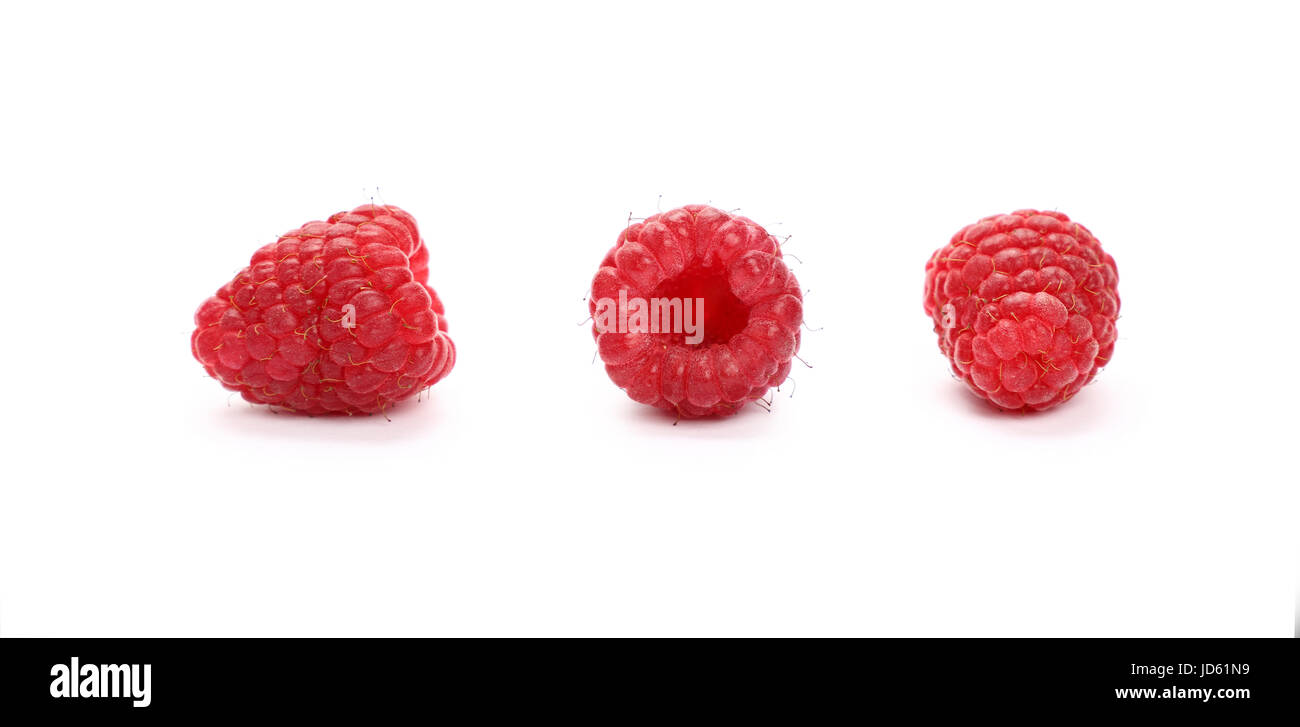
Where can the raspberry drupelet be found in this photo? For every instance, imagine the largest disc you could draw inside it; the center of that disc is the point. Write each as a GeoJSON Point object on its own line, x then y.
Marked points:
{"type": "Point", "coordinates": [334, 317]}
{"type": "Point", "coordinates": [1024, 306]}
{"type": "Point", "coordinates": [752, 309]}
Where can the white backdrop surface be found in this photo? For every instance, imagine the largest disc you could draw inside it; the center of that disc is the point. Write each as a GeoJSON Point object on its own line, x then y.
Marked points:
{"type": "Point", "coordinates": [149, 149]}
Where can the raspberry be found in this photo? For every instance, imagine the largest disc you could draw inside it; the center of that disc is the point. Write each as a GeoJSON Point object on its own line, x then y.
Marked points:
{"type": "Point", "coordinates": [333, 317]}
{"type": "Point", "coordinates": [1025, 307]}
{"type": "Point", "coordinates": [747, 330]}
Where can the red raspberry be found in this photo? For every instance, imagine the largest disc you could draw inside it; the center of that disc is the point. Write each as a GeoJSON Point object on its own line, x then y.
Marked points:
{"type": "Point", "coordinates": [752, 310]}
{"type": "Point", "coordinates": [334, 317]}
{"type": "Point", "coordinates": [1025, 307]}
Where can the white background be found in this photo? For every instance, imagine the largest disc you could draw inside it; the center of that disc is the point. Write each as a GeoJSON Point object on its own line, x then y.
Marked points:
{"type": "Point", "coordinates": [148, 150]}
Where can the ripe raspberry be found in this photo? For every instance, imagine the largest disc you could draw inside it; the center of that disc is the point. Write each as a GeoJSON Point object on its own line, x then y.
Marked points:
{"type": "Point", "coordinates": [334, 317]}
{"type": "Point", "coordinates": [1025, 307]}
{"type": "Point", "coordinates": [752, 310]}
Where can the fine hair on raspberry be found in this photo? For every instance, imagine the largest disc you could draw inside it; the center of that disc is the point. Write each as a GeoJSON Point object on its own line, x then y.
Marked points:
{"type": "Point", "coordinates": [334, 317]}
{"type": "Point", "coordinates": [696, 259]}
{"type": "Point", "coordinates": [1024, 305]}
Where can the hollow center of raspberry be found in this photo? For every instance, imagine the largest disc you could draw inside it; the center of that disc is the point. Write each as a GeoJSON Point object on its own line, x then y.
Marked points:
{"type": "Point", "coordinates": [716, 312]}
